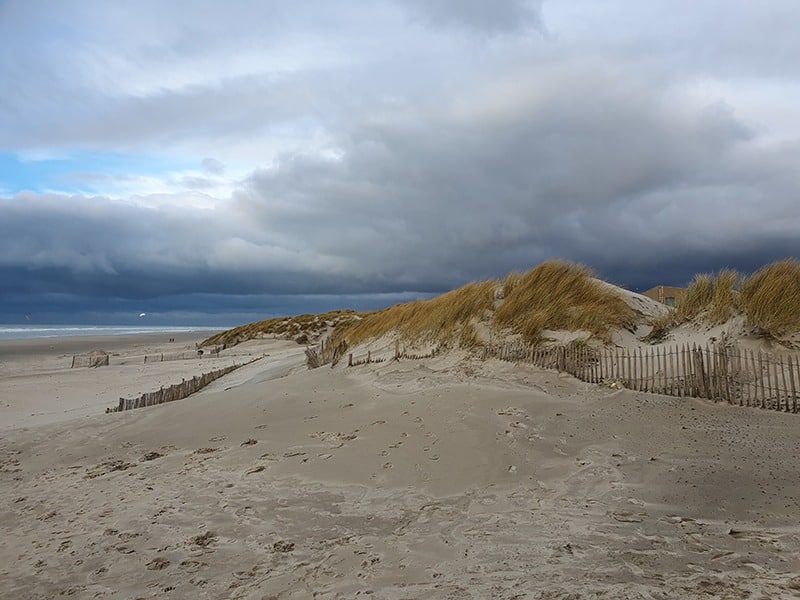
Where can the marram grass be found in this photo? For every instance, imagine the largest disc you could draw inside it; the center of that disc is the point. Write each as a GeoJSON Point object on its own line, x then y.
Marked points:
{"type": "Point", "coordinates": [437, 320]}
{"type": "Point", "coordinates": [771, 298]}
{"type": "Point", "coordinates": [289, 327]}
{"type": "Point", "coordinates": [561, 295]}
{"type": "Point", "coordinates": [554, 295]}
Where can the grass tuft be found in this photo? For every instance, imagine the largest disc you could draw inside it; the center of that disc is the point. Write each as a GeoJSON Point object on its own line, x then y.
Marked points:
{"type": "Point", "coordinates": [561, 295]}
{"type": "Point", "coordinates": [286, 327]}
{"type": "Point", "coordinates": [771, 298]}
{"type": "Point", "coordinates": [441, 319]}
{"type": "Point", "coordinates": [714, 297]}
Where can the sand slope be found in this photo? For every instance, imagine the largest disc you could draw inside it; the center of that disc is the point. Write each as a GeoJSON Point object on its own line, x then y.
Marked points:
{"type": "Point", "coordinates": [447, 478]}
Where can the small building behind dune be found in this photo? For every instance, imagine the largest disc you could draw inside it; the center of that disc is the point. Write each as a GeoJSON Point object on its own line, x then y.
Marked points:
{"type": "Point", "coordinates": [666, 294]}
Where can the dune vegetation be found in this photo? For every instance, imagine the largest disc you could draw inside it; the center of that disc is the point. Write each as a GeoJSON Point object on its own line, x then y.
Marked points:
{"type": "Point", "coordinates": [561, 295]}
{"type": "Point", "coordinates": [553, 295]}
{"type": "Point", "coordinates": [301, 328]}
{"type": "Point", "coordinates": [769, 300]}
{"type": "Point", "coordinates": [437, 320]}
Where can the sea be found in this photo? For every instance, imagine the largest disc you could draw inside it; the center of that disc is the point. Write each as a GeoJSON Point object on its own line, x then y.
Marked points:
{"type": "Point", "coordinates": [24, 332]}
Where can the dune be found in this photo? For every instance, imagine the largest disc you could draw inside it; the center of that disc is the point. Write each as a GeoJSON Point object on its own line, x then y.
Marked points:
{"type": "Point", "coordinates": [450, 477]}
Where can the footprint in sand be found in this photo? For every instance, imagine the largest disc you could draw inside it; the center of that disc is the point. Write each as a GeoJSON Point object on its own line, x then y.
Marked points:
{"type": "Point", "coordinates": [157, 564]}
{"type": "Point", "coordinates": [192, 566]}
{"type": "Point", "coordinates": [388, 465]}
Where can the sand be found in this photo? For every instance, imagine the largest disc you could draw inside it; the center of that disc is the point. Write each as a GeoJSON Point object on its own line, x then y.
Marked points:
{"type": "Point", "coordinates": [442, 478]}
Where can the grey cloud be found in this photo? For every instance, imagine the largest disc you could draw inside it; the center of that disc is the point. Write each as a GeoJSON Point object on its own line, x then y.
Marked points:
{"type": "Point", "coordinates": [589, 174]}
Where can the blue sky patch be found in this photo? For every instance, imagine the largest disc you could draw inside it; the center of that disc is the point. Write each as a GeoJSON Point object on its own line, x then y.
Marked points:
{"type": "Point", "coordinates": [80, 172]}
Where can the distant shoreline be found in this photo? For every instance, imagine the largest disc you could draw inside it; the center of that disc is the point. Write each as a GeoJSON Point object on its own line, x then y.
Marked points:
{"type": "Point", "coordinates": [76, 344]}
{"type": "Point", "coordinates": [9, 332]}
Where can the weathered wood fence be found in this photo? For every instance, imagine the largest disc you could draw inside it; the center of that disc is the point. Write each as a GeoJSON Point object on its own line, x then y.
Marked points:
{"type": "Point", "coordinates": [720, 373]}
{"type": "Point", "coordinates": [326, 352]}
{"type": "Point", "coordinates": [398, 354]}
{"type": "Point", "coordinates": [178, 391]}
{"type": "Point", "coordinates": [89, 360]}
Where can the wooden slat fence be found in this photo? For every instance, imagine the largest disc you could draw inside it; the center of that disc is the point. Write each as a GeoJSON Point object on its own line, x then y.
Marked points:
{"type": "Point", "coordinates": [717, 372]}
{"type": "Point", "coordinates": [178, 391]}
{"type": "Point", "coordinates": [720, 373]}
{"type": "Point", "coordinates": [398, 354]}
{"type": "Point", "coordinates": [89, 360]}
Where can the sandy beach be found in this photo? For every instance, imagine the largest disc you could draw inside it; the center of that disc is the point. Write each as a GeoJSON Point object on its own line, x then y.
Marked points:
{"type": "Point", "coordinates": [440, 478]}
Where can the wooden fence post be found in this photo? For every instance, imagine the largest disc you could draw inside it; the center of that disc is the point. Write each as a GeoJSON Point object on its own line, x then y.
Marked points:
{"type": "Point", "coordinates": [760, 379]}
{"type": "Point", "coordinates": [629, 382]}
{"type": "Point", "coordinates": [777, 386]}
{"type": "Point", "coordinates": [791, 381]}
{"type": "Point", "coordinates": [699, 376]}
{"type": "Point", "coordinates": [709, 375]}
{"type": "Point", "coordinates": [785, 386]}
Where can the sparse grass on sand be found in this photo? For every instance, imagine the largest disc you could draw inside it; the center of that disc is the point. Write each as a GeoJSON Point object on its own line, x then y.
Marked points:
{"type": "Point", "coordinates": [288, 327]}
{"type": "Point", "coordinates": [561, 295]}
{"type": "Point", "coordinates": [554, 295]}
{"type": "Point", "coordinates": [437, 320]}
{"type": "Point", "coordinates": [713, 298]}
{"type": "Point", "coordinates": [771, 298]}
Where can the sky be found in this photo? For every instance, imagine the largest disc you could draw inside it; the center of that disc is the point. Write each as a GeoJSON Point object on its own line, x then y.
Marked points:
{"type": "Point", "coordinates": [219, 163]}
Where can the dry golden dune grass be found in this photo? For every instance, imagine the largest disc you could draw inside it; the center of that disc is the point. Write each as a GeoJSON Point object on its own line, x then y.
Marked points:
{"type": "Point", "coordinates": [286, 327]}
{"type": "Point", "coordinates": [553, 295]}
{"type": "Point", "coordinates": [769, 299]}
{"type": "Point", "coordinates": [714, 295]}
{"type": "Point", "coordinates": [561, 295]}
{"type": "Point", "coordinates": [437, 320]}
